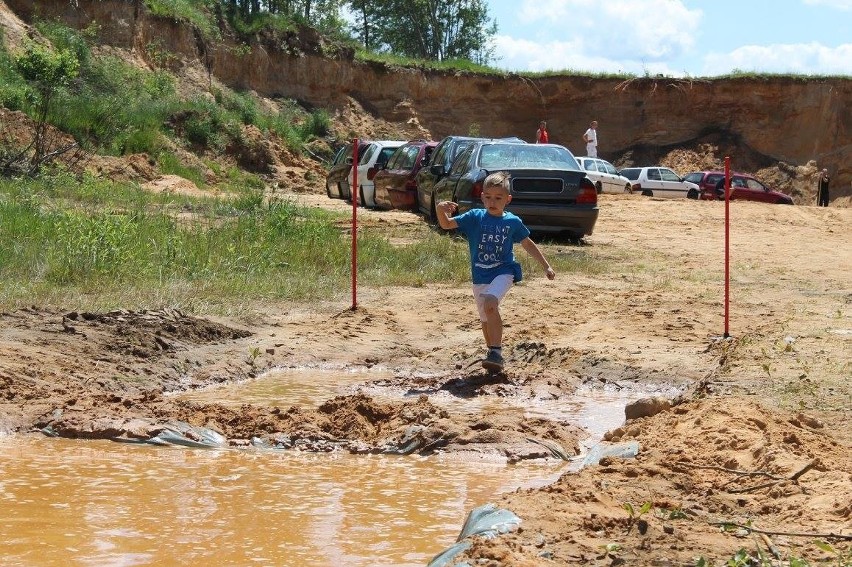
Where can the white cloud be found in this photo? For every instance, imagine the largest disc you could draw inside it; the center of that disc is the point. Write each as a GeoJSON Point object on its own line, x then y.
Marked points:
{"type": "Point", "coordinates": [839, 4]}
{"type": "Point", "coordinates": [525, 55]}
{"type": "Point", "coordinates": [549, 11]}
{"type": "Point", "coordinates": [806, 58]}
{"type": "Point", "coordinates": [639, 30]}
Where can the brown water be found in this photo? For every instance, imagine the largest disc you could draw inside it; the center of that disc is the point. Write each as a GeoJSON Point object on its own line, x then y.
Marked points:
{"type": "Point", "coordinates": [101, 503]}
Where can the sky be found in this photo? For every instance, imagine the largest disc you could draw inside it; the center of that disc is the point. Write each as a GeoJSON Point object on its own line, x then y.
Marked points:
{"type": "Point", "coordinates": [677, 38]}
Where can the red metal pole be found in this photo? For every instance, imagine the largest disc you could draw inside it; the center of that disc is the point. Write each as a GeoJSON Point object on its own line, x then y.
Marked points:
{"type": "Point", "coordinates": [727, 242]}
{"type": "Point", "coordinates": [353, 191]}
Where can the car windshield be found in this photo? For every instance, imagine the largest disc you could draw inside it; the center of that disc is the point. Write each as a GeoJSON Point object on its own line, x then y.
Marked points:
{"type": "Point", "coordinates": [518, 156]}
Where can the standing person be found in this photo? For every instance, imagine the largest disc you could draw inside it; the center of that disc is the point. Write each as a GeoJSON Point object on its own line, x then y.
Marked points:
{"type": "Point", "coordinates": [822, 188]}
{"type": "Point", "coordinates": [491, 232]}
{"type": "Point", "coordinates": [591, 139]}
{"type": "Point", "coordinates": [541, 136]}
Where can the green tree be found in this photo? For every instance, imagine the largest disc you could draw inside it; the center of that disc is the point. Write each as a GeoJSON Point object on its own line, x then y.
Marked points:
{"type": "Point", "coordinates": [436, 30]}
{"type": "Point", "coordinates": [47, 71]}
{"type": "Point", "coordinates": [366, 14]}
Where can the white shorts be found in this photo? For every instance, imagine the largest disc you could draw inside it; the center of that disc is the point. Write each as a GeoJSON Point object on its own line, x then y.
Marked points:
{"type": "Point", "coordinates": [592, 150]}
{"type": "Point", "coordinates": [498, 287]}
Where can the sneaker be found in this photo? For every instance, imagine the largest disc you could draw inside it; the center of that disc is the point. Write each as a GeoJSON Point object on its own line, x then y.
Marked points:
{"type": "Point", "coordinates": [493, 361]}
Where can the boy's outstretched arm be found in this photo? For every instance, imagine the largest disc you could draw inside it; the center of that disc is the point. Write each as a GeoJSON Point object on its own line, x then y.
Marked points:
{"type": "Point", "coordinates": [444, 209]}
{"type": "Point", "coordinates": [533, 250]}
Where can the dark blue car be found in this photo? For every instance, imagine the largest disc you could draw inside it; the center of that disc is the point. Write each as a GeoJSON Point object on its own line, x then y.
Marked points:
{"type": "Point", "coordinates": [549, 189]}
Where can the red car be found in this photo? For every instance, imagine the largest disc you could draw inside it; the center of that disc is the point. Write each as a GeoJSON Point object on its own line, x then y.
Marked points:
{"type": "Point", "coordinates": [744, 187]}
{"type": "Point", "coordinates": [396, 183]}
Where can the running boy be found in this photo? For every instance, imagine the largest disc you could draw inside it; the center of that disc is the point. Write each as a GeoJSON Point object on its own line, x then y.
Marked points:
{"type": "Point", "coordinates": [491, 232]}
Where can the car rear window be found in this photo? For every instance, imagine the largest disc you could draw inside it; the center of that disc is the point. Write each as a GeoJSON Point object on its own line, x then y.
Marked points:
{"type": "Point", "coordinates": [384, 155]}
{"type": "Point", "coordinates": [524, 156]}
{"type": "Point", "coordinates": [408, 157]}
{"type": "Point", "coordinates": [368, 155]}
{"type": "Point", "coordinates": [631, 173]}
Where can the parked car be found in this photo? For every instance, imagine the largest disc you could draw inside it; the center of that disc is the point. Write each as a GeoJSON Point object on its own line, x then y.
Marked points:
{"type": "Point", "coordinates": [374, 158]}
{"type": "Point", "coordinates": [438, 166]}
{"type": "Point", "coordinates": [706, 180]}
{"type": "Point", "coordinates": [396, 184]}
{"type": "Point", "coordinates": [604, 175]}
{"type": "Point", "coordinates": [744, 187]}
{"type": "Point", "coordinates": [337, 182]}
{"type": "Point", "coordinates": [549, 189]}
{"type": "Point", "coordinates": [657, 181]}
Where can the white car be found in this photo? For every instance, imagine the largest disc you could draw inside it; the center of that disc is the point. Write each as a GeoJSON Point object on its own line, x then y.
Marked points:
{"type": "Point", "coordinates": [374, 158]}
{"type": "Point", "coordinates": [658, 181]}
{"type": "Point", "coordinates": [604, 175]}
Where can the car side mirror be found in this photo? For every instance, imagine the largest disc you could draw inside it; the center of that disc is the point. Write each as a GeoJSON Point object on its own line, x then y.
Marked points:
{"type": "Point", "coordinates": [437, 169]}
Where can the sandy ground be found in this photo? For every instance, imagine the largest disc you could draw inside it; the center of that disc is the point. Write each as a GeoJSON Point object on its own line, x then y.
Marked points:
{"type": "Point", "coordinates": [759, 434]}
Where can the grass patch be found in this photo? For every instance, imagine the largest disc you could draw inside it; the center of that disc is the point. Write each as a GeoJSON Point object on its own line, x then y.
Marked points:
{"type": "Point", "coordinates": [98, 244]}
{"type": "Point", "coordinates": [169, 164]}
{"type": "Point", "coordinates": [447, 65]}
{"type": "Point", "coordinates": [198, 13]}
{"type": "Point", "coordinates": [74, 244]}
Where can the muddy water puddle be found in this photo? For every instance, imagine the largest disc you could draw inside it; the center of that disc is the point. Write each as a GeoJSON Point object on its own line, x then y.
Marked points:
{"type": "Point", "coordinates": [102, 503]}
{"type": "Point", "coordinates": [66, 502]}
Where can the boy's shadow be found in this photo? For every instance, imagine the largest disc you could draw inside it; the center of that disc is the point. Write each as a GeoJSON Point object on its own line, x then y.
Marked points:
{"type": "Point", "coordinates": [470, 385]}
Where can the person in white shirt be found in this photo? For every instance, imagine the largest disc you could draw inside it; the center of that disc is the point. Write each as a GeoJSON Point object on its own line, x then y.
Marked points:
{"type": "Point", "coordinates": [591, 139]}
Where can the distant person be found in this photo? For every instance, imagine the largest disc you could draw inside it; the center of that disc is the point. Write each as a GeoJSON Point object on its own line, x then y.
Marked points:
{"type": "Point", "coordinates": [541, 136]}
{"type": "Point", "coordinates": [591, 139]}
{"type": "Point", "coordinates": [822, 188]}
{"type": "Point", "coordinates": [491, 233]}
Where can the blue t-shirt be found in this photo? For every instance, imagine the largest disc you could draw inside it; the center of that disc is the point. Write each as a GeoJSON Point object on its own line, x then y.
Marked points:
{"type": "Point", "coordinates": [491, 239]}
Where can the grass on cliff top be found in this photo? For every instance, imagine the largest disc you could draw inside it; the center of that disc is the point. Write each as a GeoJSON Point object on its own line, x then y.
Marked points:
{"type": "Point", "coordinates": [465, 65]}
{"type": "Point", "coordinates": [201, 14]}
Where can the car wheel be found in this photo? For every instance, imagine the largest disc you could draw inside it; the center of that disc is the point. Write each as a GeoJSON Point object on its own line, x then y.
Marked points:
{"type": "Point", "coordinates": [692, 194]}
{"type": "Point", "coordinates": [628, 188]}
{"type": "Point", "coordinates": [647, 193]}
{"type": "Point", "coordinates": [599, 187]}
{"type": "Point", "coordinates": [328, 191]}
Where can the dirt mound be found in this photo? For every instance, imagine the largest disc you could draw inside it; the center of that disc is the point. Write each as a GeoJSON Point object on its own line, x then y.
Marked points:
{"type": "Point", "coordinates": [354, 120]}
{"type": "Point", "coordinates": [709, 154]}
{"type": "Point", "coordinates": [90, 353]}
{"type": "Point", "coordinates": [704, 469]}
